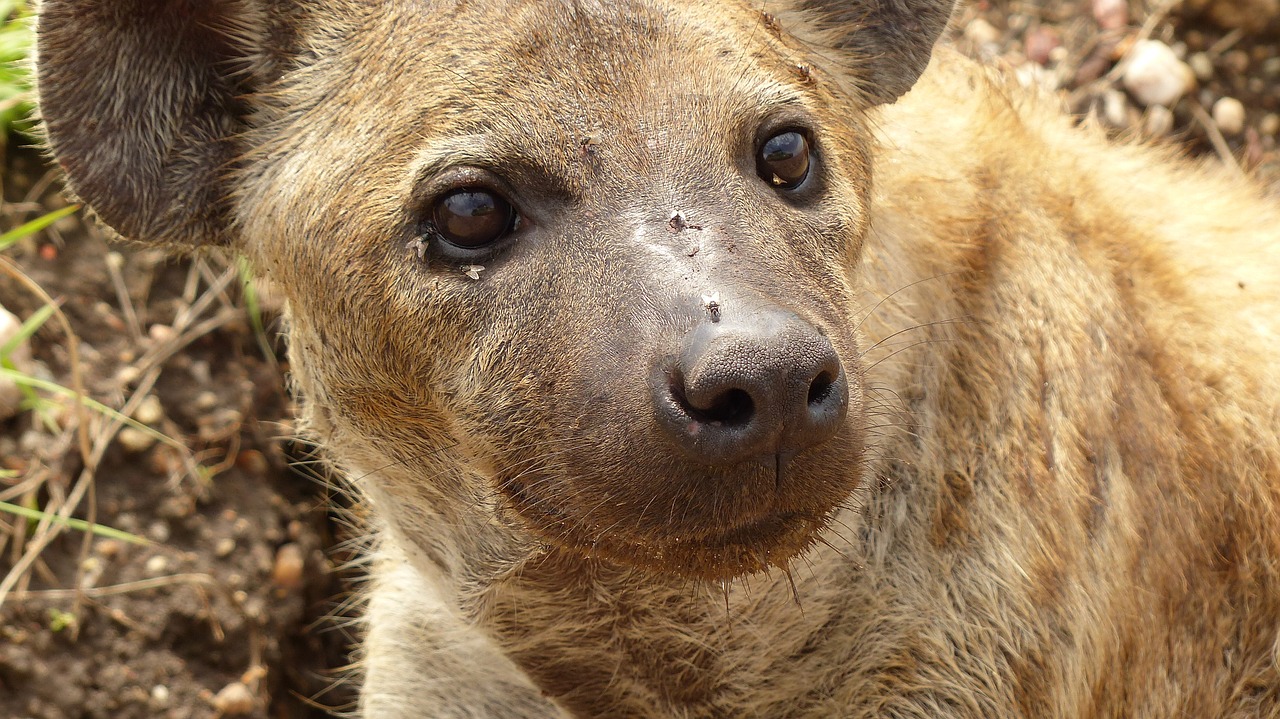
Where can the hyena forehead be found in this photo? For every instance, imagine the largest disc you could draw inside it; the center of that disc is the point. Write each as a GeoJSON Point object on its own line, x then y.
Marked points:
{"type": "Point", "coordinates": [628, 84]}
{"type": "Point", "coordinates": [629, 59]}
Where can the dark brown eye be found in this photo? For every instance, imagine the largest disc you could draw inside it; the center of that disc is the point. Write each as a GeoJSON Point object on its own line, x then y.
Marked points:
{"type": "Point", "coordinates": [783, 160]}
{"type": "Point", "coordinates": [472, 217]}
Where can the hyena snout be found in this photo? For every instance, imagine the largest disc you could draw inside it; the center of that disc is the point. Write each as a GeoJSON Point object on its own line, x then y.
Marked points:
{"type": "Point", "coordinates": [767, 384]}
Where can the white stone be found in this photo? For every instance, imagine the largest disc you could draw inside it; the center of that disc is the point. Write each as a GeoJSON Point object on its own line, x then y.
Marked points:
{"type": "Point", "coordinates": [135, 441]}
{"type": "Point", "coordinates": [1228, 114]}
{"type": "Point", "coordinates": [981, 32]}
{"type": "Point", "coordinates": [10, 393]}
{"type": "Point", "coordinates": [1155, 75]}
{"type": "Point", "coordinates": [1202, 65]}
{"type": "Point", "coordinates": [149, 410]}
{"type": "Point", "coordinates": [1159, 120]}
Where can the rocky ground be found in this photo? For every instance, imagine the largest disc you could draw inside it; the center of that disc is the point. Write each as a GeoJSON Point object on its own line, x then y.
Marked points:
{"type": "Point", "coordinates": [211, 597]}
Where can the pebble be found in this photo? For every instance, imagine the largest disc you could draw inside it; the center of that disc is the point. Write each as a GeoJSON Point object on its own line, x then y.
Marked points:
{"type": "Point", "coordinates": [287, 572]}
{"type": "Point", "coordinates": [10, 393]}
{"type": "Point", "coordinates": [1270, 124]}
{"type": "Point", "coordinates": [1111, 14]}
{"type": "Point", "coordinates": [159, 696]}
{"type": "Point", "coordinates": [235, 699]}
{"type": "Point", "coordinates": [108, 548]}
{"type": "Point", "coordinates": [1202, 65]}
{"type": "Point", "coordinates": [161, 333]}
{"type": "Point", "coordinates": [1040, 44]}
{"type": "Point", "coordinates": [1236, 61]}
{"type": "Point", "coordinates": [128, 375]}
{"type": "Point", "coordinates": [1155, 75]}
{"type": "Point", "coordinates": [157, 565]}
{"type": "Point", "coordinates": [134, 440]}
{"type": "Point", "coordinates": [1115, 108]}
{"type": "Point", "coordinates": [1158, 121]}
{"type": "Point", "coordinates": [224, 547]}
{"type": "Point", "coordinates": [149, 411]}
{"type": "Point", "coordinates": [1228, 113]}
{"type": "Point", "coordinates": [981, 32]}
{"type": "Point", "coordinates": [159, 531]}
{"type": "Point", "coordinates": [206, 401]}
{"type": "Point", "coordinates": [253, 462]}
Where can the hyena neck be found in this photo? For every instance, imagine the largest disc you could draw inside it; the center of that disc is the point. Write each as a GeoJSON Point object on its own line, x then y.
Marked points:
{"type": "Point", "coordinates": [605, 640]}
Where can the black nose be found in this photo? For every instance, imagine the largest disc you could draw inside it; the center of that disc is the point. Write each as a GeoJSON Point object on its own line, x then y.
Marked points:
{"type": "Point", "coordinates": [769, 383]}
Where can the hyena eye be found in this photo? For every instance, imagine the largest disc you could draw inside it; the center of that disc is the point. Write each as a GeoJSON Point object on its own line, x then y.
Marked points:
{"type": "Point", "coordinates": [472, 217]}
{"type": "Point", "coordinates": [783, 160]}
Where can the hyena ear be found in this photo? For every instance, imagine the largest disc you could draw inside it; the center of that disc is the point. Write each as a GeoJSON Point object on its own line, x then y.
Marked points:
{"type": "Point", "coordinates": [141, 103]}
{"type": "Point", "coordinates": [890, 41]}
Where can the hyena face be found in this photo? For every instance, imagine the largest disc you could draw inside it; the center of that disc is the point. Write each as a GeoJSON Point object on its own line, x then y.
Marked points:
{"type": "Point", "coordinates": [589, 265]}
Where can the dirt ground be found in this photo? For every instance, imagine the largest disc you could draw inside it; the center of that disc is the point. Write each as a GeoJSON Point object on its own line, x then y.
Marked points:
{"type": "Point", "coordinates": [228, 607]}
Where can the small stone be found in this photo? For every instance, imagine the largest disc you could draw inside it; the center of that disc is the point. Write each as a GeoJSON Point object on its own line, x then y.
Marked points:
{"type": "Point", "coordinates": [235, 699]}
{"type": "Point", "coordinates": [206, 401]}
{"type": "Point", "coordinates": [287, 572]}
{"type": "Point", "coordinates": [224, 547]}
{"type": "Point", "coordinates": [159, 696]}
{"type": "Point", "coordinates": [1202, 65]}
{"type": "Point", "coordinates": [10, 393]}
{"type": "Point", "coordinates": [1236, 61]}
{"type": "Point", "coordinates": [1155, 75]}
{"type": "Point", "coordinates": [1269, 124]}
{"type": "Point", "coordinates": [1040, 44]}
{"type": "Point", "coordinates": [981, 32]}
{"type": "Point", "coordinates": [1228, 114]}
{"type": "Point", "coordinates": [161, 333]}
{"type": "Point", "coordinates": [201, 372]}
{"type": "Point", "coordinates": [178, 506]}
{"type": "Point", "coordinates": [158, 531]}
{"type": "Point", "coordinates": [134, 440]}
{"type": "Point", "coordinates": [1115, 108]}
{"type": "Point", "coordinates": [1158, 121]}
{"type": "Point", "coordinates": [157, 565]}
{"type": "Point", "coordinates": [1111, 14]}
{"type": "Point", "coordinates": [253, 462]}
{"type": "Point", "coordinates": [149, 411]}
{"type": "Point", "coordinates": [128, 375]}
{"type": "Point", "coordinates": [108, 548]}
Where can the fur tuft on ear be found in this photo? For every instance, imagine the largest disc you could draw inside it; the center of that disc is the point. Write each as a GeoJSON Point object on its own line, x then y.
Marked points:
{"type": "Point", "coordinates": [890, 40]}
{"type": "Point", "coordinates": [141, 104]}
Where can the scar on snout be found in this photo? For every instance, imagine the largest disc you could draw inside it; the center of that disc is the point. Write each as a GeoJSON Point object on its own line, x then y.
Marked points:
{"type": "Point", "coordinates": [418, 246]}
{"type": "Point", "coordinates": [678, 223]}
{"type": "Point", "coordinates": [472, 271]}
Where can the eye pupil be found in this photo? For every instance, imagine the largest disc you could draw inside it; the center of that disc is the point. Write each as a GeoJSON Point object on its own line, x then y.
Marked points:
{"type": "Point", "coordinates": [472, 217]}
{"type": "Point", "coordinates": [783, 160]}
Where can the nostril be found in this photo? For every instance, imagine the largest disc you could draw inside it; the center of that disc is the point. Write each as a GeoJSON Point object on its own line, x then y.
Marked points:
{"type": "Point", "coordinates": [732, 407]}
{"type": "Point", "coordinates": [820, 389]}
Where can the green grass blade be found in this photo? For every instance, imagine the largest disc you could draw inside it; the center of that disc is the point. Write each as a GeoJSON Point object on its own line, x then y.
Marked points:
{"type": "Point", "coordinates": [28, 328]}
{"type": "Point", "coordinates": [37, 383]}
{"type": "Point", "coordinates": [78, 524]}
{"type": "Point", "coordinates": [34, 226]}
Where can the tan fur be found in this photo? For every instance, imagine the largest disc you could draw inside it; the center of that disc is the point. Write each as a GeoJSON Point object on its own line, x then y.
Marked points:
{"type": "Point", "coordinates": [1065, 362]}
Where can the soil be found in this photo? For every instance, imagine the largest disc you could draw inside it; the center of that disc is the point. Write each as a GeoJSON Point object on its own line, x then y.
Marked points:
{"type": "Point", "coordinates": [229, 607]}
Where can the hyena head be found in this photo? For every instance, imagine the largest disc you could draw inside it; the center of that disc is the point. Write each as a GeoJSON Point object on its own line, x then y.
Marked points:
{"type": "Point", "coordinates": [582, 270]}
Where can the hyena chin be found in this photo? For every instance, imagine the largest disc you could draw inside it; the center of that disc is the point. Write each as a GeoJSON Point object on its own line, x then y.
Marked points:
{"type": "Point", "coordinates": [728, 359]}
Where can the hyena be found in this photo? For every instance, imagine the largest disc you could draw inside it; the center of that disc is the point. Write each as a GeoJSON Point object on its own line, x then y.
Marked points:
{"type": "Point", "coordinates": [734, 358]}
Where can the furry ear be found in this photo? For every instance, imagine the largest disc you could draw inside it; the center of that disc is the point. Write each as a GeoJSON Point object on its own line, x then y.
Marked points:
{"type": "Point", "coordinates": [141, 102]}
{"type": "Point", "coordinates": [890, 40]}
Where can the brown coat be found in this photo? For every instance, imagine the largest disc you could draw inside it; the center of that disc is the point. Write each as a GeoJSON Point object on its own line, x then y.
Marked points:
{"type": "Point", "coordinates": [1052, 486]}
